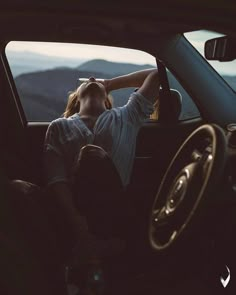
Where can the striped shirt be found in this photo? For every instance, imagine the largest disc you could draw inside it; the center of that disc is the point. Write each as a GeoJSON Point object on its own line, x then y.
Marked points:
{"type": "Point", "coordinates": [115, 131]}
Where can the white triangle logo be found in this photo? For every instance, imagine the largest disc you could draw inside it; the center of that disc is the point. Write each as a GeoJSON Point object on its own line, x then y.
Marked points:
{"type": "Point", "coordinates": [223, 281]}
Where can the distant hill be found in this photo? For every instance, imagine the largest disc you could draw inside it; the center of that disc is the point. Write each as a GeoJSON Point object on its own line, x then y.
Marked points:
{"type": "Point", "coordinates": [48, 88]}
{"type": "Point", "coordinates": [44, 93]}
{"type": "Point", "coordinates": [26, 61]}
{"type": "Point", "coordinates": [111, 68]}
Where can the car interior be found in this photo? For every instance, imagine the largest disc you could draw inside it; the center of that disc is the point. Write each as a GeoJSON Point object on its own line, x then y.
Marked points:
{"type": "Point", "coordinates": [183, 180]}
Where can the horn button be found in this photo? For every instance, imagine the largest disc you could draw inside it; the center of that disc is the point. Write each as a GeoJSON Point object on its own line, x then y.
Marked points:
{"type": "Point", "coordinates": [177, 193]}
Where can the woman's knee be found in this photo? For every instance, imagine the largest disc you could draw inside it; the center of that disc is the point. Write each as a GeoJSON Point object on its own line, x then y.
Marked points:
{"type": "Point", "coordinates": [96, 171]}
{"type": "Point", "coordinates": [91, 163]}
{"type": "Point", "coordinates": [91, 151]}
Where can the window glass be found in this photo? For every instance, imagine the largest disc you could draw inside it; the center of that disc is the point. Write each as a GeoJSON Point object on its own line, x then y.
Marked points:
{"type": "Point", "coordinates": [226, 69]}
{"type": "Point", "coordinates": [45, 73]}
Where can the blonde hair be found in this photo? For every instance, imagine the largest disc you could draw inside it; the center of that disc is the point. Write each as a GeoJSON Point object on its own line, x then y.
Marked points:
{"type": "Point", "coordinates": [73, 104]}
{"type": "Point", "coordinates": [155, 114]}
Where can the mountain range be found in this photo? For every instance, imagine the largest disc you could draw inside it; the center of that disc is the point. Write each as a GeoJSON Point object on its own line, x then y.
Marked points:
{"type": "Point", "coordinates": [22, 62]}
{"type": "Point", "coordinates": [44, 93]}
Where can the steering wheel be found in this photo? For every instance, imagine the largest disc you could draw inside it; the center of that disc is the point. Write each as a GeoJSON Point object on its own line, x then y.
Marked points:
{"type": "Point", "coordinates": [190, 177]}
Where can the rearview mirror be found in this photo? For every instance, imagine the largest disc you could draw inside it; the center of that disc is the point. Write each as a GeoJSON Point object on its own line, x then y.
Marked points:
{"type": "Point", "coordinates": [221, 49]}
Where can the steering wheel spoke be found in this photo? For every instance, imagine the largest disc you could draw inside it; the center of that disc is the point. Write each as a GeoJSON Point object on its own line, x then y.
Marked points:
{"type": "Point", "coordinates": [160, 217]}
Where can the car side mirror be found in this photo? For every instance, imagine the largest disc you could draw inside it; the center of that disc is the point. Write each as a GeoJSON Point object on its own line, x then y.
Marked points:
{"type": "Point", "coordinates": [221, 49]}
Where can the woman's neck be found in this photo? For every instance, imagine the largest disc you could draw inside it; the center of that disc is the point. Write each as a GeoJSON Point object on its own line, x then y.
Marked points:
{"type": "Point", "coordinates": [91, 108]}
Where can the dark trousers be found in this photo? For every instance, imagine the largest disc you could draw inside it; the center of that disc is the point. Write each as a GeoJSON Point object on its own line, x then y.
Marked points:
{"type": "Point", "coordinates": [99, 194]}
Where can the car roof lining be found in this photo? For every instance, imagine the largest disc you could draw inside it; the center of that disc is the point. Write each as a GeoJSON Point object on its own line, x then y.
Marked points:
{"type": "Point", "coordinates": [99, 26]}
{"type": "Point", "coordinates": [67, 24]}
{"type": "Point", "coordinates": [171, 15]}
{"type": "Point", "coordinates": [109, 31]}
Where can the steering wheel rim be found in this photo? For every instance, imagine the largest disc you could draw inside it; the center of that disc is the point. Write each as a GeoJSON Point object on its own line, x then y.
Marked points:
{"type": "Point", "coordinates": [201, 158]}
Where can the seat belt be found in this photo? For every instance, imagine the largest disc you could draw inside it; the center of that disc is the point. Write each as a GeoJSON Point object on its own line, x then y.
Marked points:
{"type": "Point", "coordinates": [166, 107]}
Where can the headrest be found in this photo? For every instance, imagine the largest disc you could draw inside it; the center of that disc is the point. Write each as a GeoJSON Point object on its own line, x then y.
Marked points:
{"type": "Point", "coordinates": [170, 107]}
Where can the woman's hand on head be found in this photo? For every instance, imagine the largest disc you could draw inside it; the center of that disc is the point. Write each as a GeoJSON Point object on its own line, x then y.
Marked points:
{"type": "Point", "coordinates": [105, 83]}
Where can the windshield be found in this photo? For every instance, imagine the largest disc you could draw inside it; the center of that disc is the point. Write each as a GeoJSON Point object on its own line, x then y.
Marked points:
{"type": "Point", "coordinates": [226, 69]}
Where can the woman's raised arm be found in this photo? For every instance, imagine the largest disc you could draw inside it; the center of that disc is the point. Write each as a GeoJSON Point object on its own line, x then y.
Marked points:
{"type": "Point", "coordinates": [146, 80]}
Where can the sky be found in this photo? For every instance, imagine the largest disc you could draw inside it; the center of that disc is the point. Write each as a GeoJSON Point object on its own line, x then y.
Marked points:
{"type": "Point", "coordinates": [73, 51]}
{"type": "Point", "coordinates": [82, 51]}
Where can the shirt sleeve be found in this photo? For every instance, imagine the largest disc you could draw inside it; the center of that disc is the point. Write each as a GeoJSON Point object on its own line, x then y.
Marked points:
{"type": "Point", "coordinates": [51, 142]}
{"type": "Point", "coordinates": [138, 108]}
{"type": "Point", "coordinates": [54, 166]}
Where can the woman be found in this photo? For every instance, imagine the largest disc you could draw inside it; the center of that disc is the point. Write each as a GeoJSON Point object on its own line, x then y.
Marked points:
{"type": "Point", "coordinates": [89, 128]}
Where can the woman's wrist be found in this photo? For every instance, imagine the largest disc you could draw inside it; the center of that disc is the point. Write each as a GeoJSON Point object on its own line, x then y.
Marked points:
{"type": "Point", "coordinates": [107, 85]}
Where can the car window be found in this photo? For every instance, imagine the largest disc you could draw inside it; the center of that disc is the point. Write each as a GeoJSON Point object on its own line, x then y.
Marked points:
{"type": "Point", "coordinates": [227, 70]}
{"type": "Point", "coordinates": [45, 73]}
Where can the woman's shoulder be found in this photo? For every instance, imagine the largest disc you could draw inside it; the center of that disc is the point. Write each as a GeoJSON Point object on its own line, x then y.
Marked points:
{"type": "Point", "coordinates": [63, 120]}
{"type": "Point", "coordinates": [56, 122]}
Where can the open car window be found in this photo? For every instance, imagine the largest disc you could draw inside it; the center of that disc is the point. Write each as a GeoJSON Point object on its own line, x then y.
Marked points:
{"type": "Point", "coordinates": [45, 73]}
